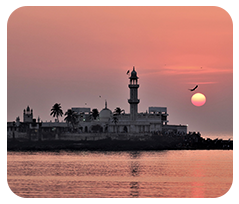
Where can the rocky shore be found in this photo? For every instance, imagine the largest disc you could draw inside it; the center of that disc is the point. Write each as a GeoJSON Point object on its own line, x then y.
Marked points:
{"type": "Point", "coordinates": [194, 142]}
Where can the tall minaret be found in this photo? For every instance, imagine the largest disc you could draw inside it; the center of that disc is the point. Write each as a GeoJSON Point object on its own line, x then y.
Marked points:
{"type": "Point", "coordinates": [133, 101]}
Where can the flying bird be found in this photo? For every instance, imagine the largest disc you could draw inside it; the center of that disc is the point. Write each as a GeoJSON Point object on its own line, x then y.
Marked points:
{"type": "Point", "coordinates": [193, 88]}
{"type": "Point", "coordinates": [127, 72]}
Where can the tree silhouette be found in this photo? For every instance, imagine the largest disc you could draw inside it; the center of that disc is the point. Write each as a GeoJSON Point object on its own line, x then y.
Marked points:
{"type": "Point", "coordinates": [95, 113]}
{"type": "Point", "coordinates": [56, 110]}
{"type": "Point", "coordinates": [71, 117]}
{"type": "Point", "coordinates": [118, 111]}
{"type": "Point", "coordinates": [115, 121]}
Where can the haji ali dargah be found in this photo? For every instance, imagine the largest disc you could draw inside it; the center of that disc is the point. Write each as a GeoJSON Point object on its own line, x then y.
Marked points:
{"type": "Point", "coordinates": [84, 125]}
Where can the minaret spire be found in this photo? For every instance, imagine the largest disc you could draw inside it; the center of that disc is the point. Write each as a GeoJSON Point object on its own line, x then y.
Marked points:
{"type": "Point", "coordinates": [105, 104]}
{"type": "Point", "coordinates": [133, 101]}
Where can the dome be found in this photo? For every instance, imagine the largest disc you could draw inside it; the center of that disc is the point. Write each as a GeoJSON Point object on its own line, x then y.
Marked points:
{"type": "Point", "coordinates": [105, 114]}
{"type": "Point", "coordinates": [133, 74]}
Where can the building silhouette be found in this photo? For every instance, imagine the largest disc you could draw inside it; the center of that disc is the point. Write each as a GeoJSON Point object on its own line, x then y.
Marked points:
{"type": "Point", "coordinates": [27, 115]}
{"type": "Point", "coordinates": [107, 124]}
{"type": "Point", "coordinates": [153, 121]}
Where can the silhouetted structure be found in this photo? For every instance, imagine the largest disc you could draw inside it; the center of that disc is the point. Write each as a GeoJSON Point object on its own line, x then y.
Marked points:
{"type": "Point", "coordinates": [93, 125]}
{"type": "Point", "coordinates": [27, 115]}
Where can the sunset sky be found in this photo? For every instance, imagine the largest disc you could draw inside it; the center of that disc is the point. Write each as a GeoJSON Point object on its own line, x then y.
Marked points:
{"type": "Point", "coordinates": [73, 55]}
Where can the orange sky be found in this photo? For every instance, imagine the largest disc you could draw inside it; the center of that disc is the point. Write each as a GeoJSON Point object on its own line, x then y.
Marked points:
{"type": "Point", "coordinates": [71, 55]}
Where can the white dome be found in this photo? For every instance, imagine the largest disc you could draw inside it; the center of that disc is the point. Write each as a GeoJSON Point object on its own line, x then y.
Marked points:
{"type": "Point", "coordinates": [105, 115]}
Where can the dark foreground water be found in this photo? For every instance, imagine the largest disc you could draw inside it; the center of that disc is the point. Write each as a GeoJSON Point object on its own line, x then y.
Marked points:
{"type": "Point", "coordinates": [181, 173]}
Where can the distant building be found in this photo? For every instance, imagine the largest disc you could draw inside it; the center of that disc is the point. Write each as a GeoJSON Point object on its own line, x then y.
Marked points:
{"type": "Point", "coordinates": [29, 124]}
{"type": "Point", "coordinates": [138, 124]}
{"type": "Point", "coordinates": [27, 115]}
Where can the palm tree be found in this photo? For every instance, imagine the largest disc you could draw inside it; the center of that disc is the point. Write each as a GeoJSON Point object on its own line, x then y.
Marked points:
{"type": "Point", "coordinates": [56, 110]}
{"type": "Point", "coordinates": [71, 117]}
{"type": "Point", "coordinates": [95, 113]}
{"type": "Point", "coordinates": [115, 121]}
{"type": "Point", "coordinates": [118, 111]}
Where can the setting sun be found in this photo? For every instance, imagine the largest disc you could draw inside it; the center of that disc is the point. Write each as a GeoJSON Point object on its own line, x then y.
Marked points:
{"type": "Point", "coordinates": [98, 101]}
{"type": "Point", "coordinates": [198, 99]}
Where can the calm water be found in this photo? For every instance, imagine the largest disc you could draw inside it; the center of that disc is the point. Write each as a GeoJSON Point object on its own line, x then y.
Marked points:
{"type": "Point", "coordinates": [199, 173]}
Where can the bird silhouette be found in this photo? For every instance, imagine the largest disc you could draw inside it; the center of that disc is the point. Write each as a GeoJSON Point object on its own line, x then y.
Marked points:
{"type": "Point", "coordinates": [127, 72]}
{"type": "Point", "coordinates": [193, 88]}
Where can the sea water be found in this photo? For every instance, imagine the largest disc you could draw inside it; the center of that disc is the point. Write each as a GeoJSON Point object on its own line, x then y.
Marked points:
{"type": "Point", "coordinates": [180, 173]}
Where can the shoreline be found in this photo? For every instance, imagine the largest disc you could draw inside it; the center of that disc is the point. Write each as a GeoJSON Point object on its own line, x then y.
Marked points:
{"type": "Point", "coordinates": [159, 143]}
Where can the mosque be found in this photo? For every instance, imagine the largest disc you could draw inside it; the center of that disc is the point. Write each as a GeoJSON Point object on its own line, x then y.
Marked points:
{"type": "Point", "coordinates": [155, 120]}
{"type": "Point", "coordinates": [107, 124]}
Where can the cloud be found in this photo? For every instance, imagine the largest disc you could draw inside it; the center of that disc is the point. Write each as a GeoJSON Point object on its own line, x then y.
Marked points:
{"type": "Point", "coordinates": [203, 82]}
{"type": "Point", "coordinates": [194, 70]}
